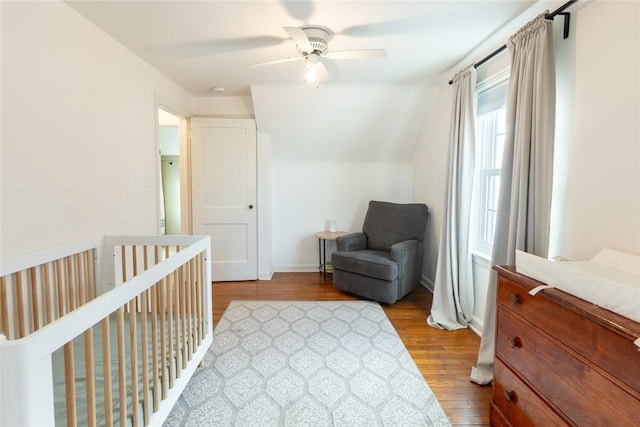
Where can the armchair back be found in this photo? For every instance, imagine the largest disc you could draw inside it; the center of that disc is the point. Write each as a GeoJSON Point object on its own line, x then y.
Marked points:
{"type": "Point", "coordinates": [388, 223]}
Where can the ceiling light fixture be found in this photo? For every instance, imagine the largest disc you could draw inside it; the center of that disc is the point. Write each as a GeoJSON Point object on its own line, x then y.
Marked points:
{"type": "Point", "coordinates": [311, 66]}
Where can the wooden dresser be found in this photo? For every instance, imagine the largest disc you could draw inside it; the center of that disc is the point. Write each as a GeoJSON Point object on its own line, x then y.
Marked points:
{"type": "Point", "coordinates": [561, 360]}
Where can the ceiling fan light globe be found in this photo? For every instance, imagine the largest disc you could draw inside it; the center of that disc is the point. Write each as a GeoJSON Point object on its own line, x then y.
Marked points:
{"type": "Point", "coordinates": [310, 75]}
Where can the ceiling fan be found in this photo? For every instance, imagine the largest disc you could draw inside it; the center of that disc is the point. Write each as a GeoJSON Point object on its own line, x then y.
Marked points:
{"type": "Point", "coordinates": [312, 42]}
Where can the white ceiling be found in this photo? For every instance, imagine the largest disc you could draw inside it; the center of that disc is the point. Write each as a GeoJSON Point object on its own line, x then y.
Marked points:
{"type": "Point", "coordinates": [204, 44]}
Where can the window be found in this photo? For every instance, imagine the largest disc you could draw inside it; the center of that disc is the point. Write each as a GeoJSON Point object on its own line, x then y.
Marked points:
{"type": "Point", "coordinates": [490, 136]}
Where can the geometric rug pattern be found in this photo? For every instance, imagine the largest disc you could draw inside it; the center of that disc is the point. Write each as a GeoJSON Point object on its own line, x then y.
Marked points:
{"type": "Point", "coordinates": [313, 363]}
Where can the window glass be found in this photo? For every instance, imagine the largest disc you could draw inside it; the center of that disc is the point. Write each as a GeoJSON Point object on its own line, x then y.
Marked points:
{"type": "Point", "coordinates": [490, 137]}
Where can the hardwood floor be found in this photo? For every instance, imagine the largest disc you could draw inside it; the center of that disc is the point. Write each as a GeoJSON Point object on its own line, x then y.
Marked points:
{"type": "Point", "coordinates": [444, 358]}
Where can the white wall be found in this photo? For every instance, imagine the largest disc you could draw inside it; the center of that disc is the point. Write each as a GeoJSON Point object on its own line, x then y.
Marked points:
{"type": "Point", "coordinates": [601, 203]}
{"type": "Point", "coordinates": [597, 203]}
{"type": "Point", "coordinates": [223, 107]}
{"type": "Point", "coordinates": [430, 171]}
{"type": "Point", "coordinates": [78, 130]}
{"type": "Point", "coordinates": [307, 193]}
{"type": "Point", "coordinates": [265, 208]}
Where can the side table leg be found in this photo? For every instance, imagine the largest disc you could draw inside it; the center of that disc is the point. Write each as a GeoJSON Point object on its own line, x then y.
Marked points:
{"type": "Point", "coordinates": [324, 258]}
{"type": "Point", "coordinates": [319, 256]}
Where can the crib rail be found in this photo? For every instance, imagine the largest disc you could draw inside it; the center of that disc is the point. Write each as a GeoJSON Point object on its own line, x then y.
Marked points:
{"type": "Point", "coordinates": [137, 341]}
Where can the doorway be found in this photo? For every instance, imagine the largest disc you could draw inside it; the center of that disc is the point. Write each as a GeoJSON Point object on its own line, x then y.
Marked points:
{"type": "Point", "coordinates": [173, 186]}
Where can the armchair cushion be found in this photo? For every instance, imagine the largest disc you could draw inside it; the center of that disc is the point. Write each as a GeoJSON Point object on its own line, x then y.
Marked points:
{"type": "Point", "coordinates": [366, 262]}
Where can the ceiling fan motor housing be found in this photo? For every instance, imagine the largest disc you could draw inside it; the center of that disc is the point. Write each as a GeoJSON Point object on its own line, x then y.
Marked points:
{"type": "Point", "coordinates": [318, 36]}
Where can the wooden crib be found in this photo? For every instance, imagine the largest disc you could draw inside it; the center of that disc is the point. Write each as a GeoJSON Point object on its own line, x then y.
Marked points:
{"type": "Point", "coordinates": [103, 332]}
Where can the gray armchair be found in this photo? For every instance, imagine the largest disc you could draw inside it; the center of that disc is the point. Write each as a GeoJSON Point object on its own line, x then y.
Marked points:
{"type": "Point", "coordinates": [384, 261]}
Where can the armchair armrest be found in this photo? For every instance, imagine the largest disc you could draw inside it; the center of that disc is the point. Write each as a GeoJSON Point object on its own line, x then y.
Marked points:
{"type": "Point", "coordinates": [401, 252]}
{"type": "Point", "coordinates": [351, 242]}
{"type": "Point", "coordinates": [408, 255]}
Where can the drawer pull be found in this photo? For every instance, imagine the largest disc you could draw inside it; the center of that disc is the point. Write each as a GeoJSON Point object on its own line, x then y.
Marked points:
{"type": "Point", "coordinates": [510, 396]}
{"type": "Point", "coordinates": [515, 298]}
{"type": "Point", "coordinates": [515, 342]}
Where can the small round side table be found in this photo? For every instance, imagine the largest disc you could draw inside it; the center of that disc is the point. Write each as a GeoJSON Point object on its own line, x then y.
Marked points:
{"type": "Point", "coordinates": [323, 236]}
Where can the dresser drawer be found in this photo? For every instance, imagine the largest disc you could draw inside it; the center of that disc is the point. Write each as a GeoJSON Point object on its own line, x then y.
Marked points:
{"type": "Point", "coordinates": [613, 352]}
{"type": "Point", "coordinates": [516, 402]}
{"type": "Point", "coordinates": [580, 392]}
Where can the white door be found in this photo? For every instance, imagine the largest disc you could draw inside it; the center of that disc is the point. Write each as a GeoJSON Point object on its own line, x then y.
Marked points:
{"type": "Point", "coordinates": [223, 162]}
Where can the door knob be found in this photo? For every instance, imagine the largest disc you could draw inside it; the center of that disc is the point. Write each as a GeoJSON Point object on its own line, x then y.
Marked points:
{"type": "Point", "coordinates": [250, 206]}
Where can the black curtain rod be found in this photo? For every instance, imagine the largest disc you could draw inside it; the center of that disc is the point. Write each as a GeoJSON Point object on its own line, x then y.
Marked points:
{"type": "Point", "coordinates": [550, 15]}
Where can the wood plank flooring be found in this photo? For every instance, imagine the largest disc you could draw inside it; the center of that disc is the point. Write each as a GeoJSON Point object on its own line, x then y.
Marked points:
{"type": "Point", "coordinates": [444, 358]}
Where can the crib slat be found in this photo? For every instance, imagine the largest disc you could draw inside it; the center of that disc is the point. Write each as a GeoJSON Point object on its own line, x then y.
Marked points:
{"type": "Point", "coordinates": [59, 290]}
{"type": "Point", "coordinates": [106, 372]}
{"type": "Point", "coordinates": [70, 384]}
{"type": "Point", "coordinates": [133, 350]}
{"type": "Point", "coordinates": [154, 334]}
{"type": "Point", "coordinates": [79, 285]}
{"type": "Point", "coordinates": [91, 285]}
{"type": "Point", "coordinates": [90, 377]}
{"type": "Point", "coordinates": [183, 335]}
{"type": "Point", "coordinates": [4, 308]}
{"type": "Point", "coordinates": [20, 304]}
{"type": "Point", "coordinates": [69, 281]}
{"type": "Point", "coordinates": [189, 309]}
{"type": "Point", "coordinates": [145, 342]}
{"type": "Point", "coordinates": [145, 357]}
{"type": "Point", "coordinates": [203, 294]}
{"type": "Point", "coordinates": [47, 294]}
{"type": "Point", "coordinates": [154, 345]}
{"type": "Point", "coordinates": [122, 373]}
{"type": "Point", "coordinates": [163, 336]}
{"type": "Point", "coordinates": [123, 256]}
{"type": "Point", "coordinates": [200, 315]}
{"type": "Point", "coordinates": [177, 326]}
{"type": "Point", "coordinates": [171, 360]}
{"type": "Point", "coordinates": [134, 253]}
{"type": "Point", "coordinates": [33, 298]}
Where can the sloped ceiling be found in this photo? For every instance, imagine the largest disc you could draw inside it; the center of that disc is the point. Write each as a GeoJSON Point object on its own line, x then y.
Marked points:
{"type": "Point", "coordinates": [341, 122]}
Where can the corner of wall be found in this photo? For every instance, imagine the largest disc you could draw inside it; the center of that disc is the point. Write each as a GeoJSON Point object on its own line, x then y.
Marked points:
{"type": "Point", "coordinates": [265, 275]}
{"type": "Point", "coordinates": [427, 283]}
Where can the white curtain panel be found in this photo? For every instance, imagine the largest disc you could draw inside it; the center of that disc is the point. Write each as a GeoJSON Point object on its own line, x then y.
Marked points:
{"type": "Point", "coordinates": [527, 167]}
{"type": "Point", "coordinates": [453, 302]}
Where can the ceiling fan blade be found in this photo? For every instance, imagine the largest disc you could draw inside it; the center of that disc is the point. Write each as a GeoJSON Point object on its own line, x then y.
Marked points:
{"type": "Point", "coordinates": [300, 39]}
{"type": "Point", "coordinates": [410, 25]}
{"type": "Point", "coordinates": [274, 61]}
{"type": "Point", "coordinates": [357, 54]}
{"type": "Point", "coordinates": [323, 73]}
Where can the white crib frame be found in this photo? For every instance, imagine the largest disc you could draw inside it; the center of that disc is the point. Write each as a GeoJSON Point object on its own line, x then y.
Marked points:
{"type": "Point", "coordinates": [26, 385]}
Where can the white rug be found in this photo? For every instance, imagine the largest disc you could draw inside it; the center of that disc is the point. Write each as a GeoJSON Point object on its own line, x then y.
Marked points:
{"type": "Point", "coordinates": [293, 363]}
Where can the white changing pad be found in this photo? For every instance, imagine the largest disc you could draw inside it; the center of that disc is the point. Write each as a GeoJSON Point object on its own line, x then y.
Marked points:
{"type": "Point", "coordinates": [609, 280]}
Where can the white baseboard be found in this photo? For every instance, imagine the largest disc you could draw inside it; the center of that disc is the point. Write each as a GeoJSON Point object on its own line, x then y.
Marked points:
{"type": "Point", "coordinates": [476, 326]}
{"type": "Point", "coordinates": [300, 268]}
{"type": "Point", "coordinates": [426, 282]}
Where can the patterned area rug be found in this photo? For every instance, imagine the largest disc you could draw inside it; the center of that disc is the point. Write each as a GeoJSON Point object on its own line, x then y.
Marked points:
{"type": "Point", "coordinates": [292, 363]}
